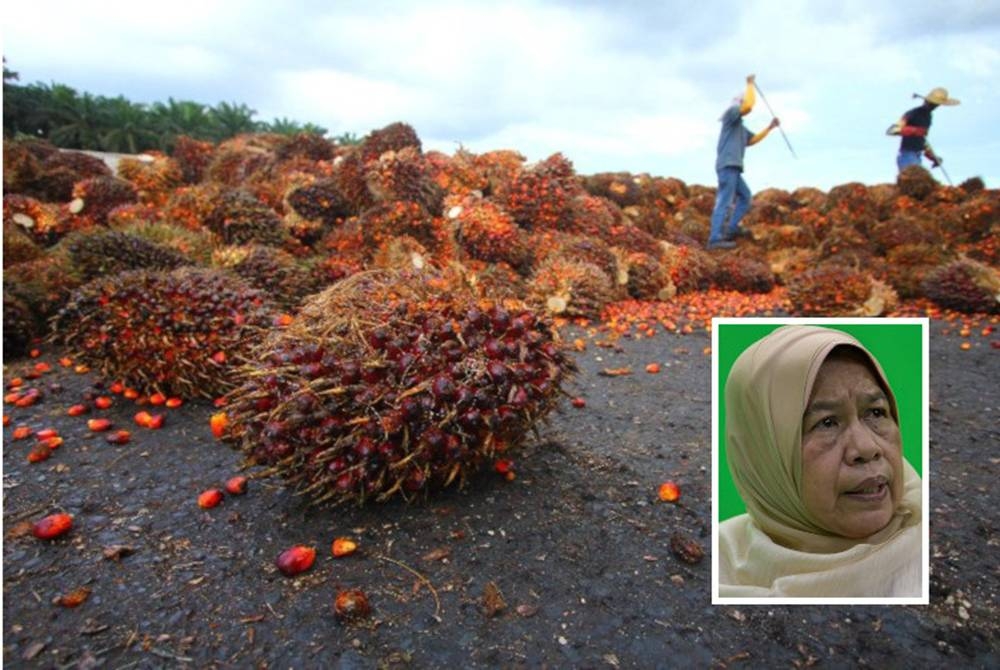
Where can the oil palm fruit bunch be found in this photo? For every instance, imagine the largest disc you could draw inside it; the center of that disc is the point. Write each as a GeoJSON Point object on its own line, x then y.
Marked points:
{"type": "Point", "coordinates": [175, 333]}
{"type": "Point", "coordinates": [239, 218]}
{"type": "Point", "coordinates": [20, 325]}
{"type": "Point", "coordinates": [235, 162]}
{"type": "Point", "coordinates": [21, 166]}
{"type": "Point", "coordinates": [385, 221]}
{"type": "Point", "coordinates": [618, 187]}
{"type": "Point", "coordinates": [319, 201]}
{"type": "Point", "coordinates": [403, 175]}
{"type": "Point", "coordinates": [191, 206]}
{"type": "Point", "coordinates": [95, 197]}
{"type": "Point", "coordinates": [541, 196]}
{"type": "Point", "coordinates": [965, 286]}
{"type": "Point", "coordinates": [38, 219]}
{"type": "Point", "coordinates": [401, 253]}
{"type": "Point", "coordinates": [645, 276]}
{"type": "Point", "coordinates": [99, 252]}
{"type": "Point", "coordinates": [570, 288]}
{"type": "Point", "coordinates": [828, 290]}
{"type": "Point", "coordinates": [197, 245]}
{"type": "Point", "coordinates": [193, 156]}
{"type": "Point", "coordinates": [633, 238]}
{"type": "Point", "coordinates": [390, 384]}
{"type": "Point", "coordinates": [44, 283]}
{"type": "Point", "coordinates": [976, 217]}
{"type": "Point", "coordinates": [691, 268]}
{"type": "Point", "coordinates": [549, 244]}
{"type": "Point", "coordinates": [276, 273]}
{"type": "Point", "coordinates": [312, 146]}
{"type": "Point", "coordinates": [155, 177]}
{"type": "Point", "coordinates": [740, 273]}
{"type": "Point", "coordinates": [18, 246]}
{"type": "Point", "coordinates": [486, 232]}
{"type": "Point", "coordinates": [916, 182]}
{"type": "Point", "coordinates": [594, 216]}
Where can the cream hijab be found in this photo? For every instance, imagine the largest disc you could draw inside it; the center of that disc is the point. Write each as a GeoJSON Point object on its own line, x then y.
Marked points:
{"type": "Point", "coordinates": [777, 548]}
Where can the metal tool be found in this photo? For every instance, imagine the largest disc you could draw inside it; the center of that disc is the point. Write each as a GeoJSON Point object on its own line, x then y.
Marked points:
{"type": "Point", "coordinates": [762, 97]}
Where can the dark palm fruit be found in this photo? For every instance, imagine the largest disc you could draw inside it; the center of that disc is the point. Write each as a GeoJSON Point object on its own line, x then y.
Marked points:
{"type": "Point", "coordinates": [408, 402]}
{"type": "Point", "coordinates": [238, 217]}
{"type": "Point", "coordinates": [102, 252]}
{"type": "Point", "coordinates": [164, 332]}
{"type": "Point", "coordinates": [94, 198]}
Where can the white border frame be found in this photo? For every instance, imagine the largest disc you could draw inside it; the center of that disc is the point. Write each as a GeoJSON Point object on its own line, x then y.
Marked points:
{"type": "Point", "coordinates": [924, 598]}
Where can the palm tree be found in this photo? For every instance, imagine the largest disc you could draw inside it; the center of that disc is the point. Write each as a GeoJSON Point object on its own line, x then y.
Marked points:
{"type": "Point", "coordinates": [314, 129]}
{"type": "Point", "coordinates": [175, 118]}
{"type": "Point", "coordinates": [130, 128]}
{"type": "Point", "coordinates": [229, 120]}
{"type": "Point", "coordinates": [77, 120]}
{"type": "Point", "coordinates": [283, 126]}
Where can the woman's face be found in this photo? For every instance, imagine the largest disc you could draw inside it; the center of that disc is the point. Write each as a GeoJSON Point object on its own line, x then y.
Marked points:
{"type": "Point", "coordinates": [851, 449]}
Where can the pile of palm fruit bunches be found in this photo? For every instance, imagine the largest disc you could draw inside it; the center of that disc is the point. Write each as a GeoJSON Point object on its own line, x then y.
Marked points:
{"type": "Point", "coordinates": [383, 319]}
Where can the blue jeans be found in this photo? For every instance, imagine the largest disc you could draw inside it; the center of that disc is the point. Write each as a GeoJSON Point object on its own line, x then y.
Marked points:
{"type": "Point", "coordinates": [907, 158]}
{"type": "Point", "coordinates": [733, 193]}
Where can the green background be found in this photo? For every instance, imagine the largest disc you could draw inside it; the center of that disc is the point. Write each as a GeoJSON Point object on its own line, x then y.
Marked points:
{"type": "Point", "coordinates": [897, 346]}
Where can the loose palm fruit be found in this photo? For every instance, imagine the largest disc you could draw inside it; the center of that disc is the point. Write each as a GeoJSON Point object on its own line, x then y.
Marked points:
{"type": "Point", "coordinates": [343, 546]}
{"type": "Point", "coordinates": [295, 560]}
{"type": "Point", "coordinates": [351, 605]}
{"type": "Point", "coordinates": [52, 526]}
{"type": "Point", "coordinates": [237, 485]}
{"type": "Point", "coordinates": [669, 491]}
{"type": "Point", "coordinates": [98, 425]}
{"type": "Point", "coordinates": [210, 498]}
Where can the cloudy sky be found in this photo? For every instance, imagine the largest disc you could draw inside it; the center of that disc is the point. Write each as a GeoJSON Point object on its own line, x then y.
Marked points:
{"type": "Point", "coordinates": [632, 85]}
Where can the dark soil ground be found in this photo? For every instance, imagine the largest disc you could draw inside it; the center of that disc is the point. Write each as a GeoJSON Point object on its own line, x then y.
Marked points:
{"type": "Point", "coordinates": [578, 546]}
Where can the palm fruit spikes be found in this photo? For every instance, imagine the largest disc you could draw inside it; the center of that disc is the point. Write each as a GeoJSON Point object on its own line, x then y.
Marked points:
{"type": "Point", "coordinates": [163, 331]}
{"type": "Point", "coordinates": [390, 383]}
{"type": "Point", "coordinates": [103, 252]}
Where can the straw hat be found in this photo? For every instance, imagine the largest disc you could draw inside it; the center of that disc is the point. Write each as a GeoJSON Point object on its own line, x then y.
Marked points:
{"type": "Point", "coordinates": [939, 96]}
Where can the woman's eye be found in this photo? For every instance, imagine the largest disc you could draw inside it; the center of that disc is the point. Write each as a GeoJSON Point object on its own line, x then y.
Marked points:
{"type": "Point", "coordinates": [878, 412]}
{"type": "Point", "coordinates": [827, 422]}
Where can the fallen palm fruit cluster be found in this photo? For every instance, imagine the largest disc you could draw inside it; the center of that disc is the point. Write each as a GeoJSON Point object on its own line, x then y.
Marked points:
{"type": "Point", "coordinates": [293, 214]}
{"type": "Point", "coordinates": [172, 332]}
{"type": "Point", "coordinates": [394, 383]}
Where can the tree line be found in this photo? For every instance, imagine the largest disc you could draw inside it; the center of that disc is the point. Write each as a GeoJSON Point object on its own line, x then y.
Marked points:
{"type": "Point", "coordinates": [72, 120]}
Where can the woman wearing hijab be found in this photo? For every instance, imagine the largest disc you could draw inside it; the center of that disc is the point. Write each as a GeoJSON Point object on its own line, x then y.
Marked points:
{"type": "Point", "coordinates": [814, 448]}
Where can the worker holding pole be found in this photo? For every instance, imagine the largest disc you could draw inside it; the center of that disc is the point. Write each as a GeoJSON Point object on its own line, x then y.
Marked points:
{"type": "Point", "coordinates": [913, 127]}
{"type": "Point", "coordinates": [733, 193]}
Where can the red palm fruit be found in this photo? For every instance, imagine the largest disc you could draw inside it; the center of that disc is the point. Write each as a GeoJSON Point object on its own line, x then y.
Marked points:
{"type": "Point", "coordinates": [119, 437]}
{"type": "Point", "coordinates": [42, 367]}
{"type": "Point", "coordinates": [218, 423]}
{"type": "Point", "coordinates": [117, 387]}
{"type": "Point", "coordinates": [143, 418]}
{"type": "Point", "coordinates": [98, 425]}
{"type": "Point", "coordinates": [39, 453]}
{"type": "Point", "coordinates": [65, 362]}
{"type": "Point", "coordinates": [295, 560]}
{"type": "Point", "coordinates": [6, 419]}
{"type": "Point", "coordinates": [102, 402]}
{"type": "Point", "coordinates": [343, 546]}
{"type": "Point", "coordinates": [669, 491]}
{"type": "Point", "coordinates": [351, 605]}
{"type": "Point", "coordinates": [130, 393]}
{"type": "Point", "coordinates": [12, 397]}
{"type": "Point", "coordinates": [237, 485]}
{"type": "Point", "coordinates": [174, 402]}
{"type": "Point", "coordinates": [157, 399]}
{"type": "Point", "coordinates": [52, 526]}
{"type": "Point", "coordinates": [74, 598]}
{"type": "Point", "coordinates": [28, 399]}
{"type": "Point", "coordinates": [210, 498]}
{"type": "Point", "coordinates": [578, 402]}
{"type": "Point", "coordinates": [504, 466]}
{"type": "Point", "coordinates": [653, 368]}
{"type": "Point", "coordinates": [81, 369]}
{"type": "Point", "coordinates": [46, 433]}
{"type": "Point", "coordinates": [77, 410]}
{"type": "Point", "coordinates": [21, 432]}
{"type": "Point", "coordinates": [35, 353]}
{"type": "Point", "coordinates": [219, 357]}
{"type": "Point", "coordinates": [155, 422]}
{"type": "Point", "coordinates": [53, 442]}
{"type": "Point", "coordinates": [15, 383]}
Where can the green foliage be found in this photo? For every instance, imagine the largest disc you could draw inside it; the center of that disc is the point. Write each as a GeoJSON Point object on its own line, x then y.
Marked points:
{"type": "Point", "coordinates": [74, 120]}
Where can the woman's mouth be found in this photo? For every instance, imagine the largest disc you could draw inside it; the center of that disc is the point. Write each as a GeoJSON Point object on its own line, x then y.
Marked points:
{"type": "Point", "coordinates": [873, 489]}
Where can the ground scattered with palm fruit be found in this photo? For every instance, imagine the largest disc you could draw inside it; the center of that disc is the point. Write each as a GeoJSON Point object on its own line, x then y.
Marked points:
{"type": "Point", "coordinates": [572, 560]}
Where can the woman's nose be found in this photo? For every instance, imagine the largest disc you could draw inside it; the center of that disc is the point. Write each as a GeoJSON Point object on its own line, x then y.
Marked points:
{"type": "Point", "coordinates": [863, 445]}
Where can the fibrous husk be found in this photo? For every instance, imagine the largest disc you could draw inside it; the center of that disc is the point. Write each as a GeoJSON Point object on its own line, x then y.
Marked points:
{"type": "Point", "coordinates": [734, 272]}
{"type": "Point", "coordinates": [393, 384]}
{"type": "Point", "coordinates": [916, 182]}
{"type": "Point", "coordinates": [176, 333]}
